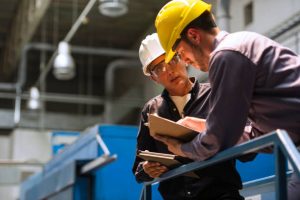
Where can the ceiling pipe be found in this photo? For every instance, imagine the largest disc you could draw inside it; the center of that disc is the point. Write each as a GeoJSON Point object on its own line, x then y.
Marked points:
{"type": "Point", "coordinates": [22, 78]}
{"type": "Point", "coordinates": [17, 87]}
{"type": "Point", "coordinates": [109, 83]}
{"type": "Point", "coordinates": [75, 49]}
{"type": "Point", "coordinates": [22, 74]}
{"type": "Point", "coordinates": [8, 86]}
{"type": "Point", "coordinates": [58, 97]}
{"type": "Point", "coordinates": [223, 15]}
{"type": "Point", "coordinates": [45, 71]}
{"type": "Point", "coordinates": [22, 70]}
{"type": "Point", "coordinates": [67, 39]}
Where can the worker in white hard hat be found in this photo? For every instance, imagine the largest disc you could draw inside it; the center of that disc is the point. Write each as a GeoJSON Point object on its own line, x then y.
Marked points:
{"type": "Point", "coordinates": [182, 96]}
{"type": "Point", "coordinates": [251, 77]}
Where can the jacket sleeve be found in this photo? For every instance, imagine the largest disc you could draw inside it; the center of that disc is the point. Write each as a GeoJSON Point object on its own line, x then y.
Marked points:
{"type": "Point", "coordinates": [247, 136]}
{"type": "Point", "coordinates": [232, 78]}
{"type": "Point", "coordinates": [144, 142]}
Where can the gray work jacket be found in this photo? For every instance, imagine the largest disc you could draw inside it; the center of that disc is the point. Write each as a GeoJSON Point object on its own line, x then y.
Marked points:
{"type": "Point", "coordinates": [251, 76]}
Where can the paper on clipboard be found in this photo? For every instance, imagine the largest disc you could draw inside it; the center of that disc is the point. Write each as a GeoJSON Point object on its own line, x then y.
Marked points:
{"type": "Point", "coordinates": [162, 126]}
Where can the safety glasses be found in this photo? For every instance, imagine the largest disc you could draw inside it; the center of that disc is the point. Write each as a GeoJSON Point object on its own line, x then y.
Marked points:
{"type": "Point", "coordinates": [163, 67]}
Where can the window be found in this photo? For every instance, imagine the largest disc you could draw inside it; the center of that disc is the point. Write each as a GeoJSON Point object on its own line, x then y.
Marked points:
{"type": "Point", "coordinates": [248, 13]}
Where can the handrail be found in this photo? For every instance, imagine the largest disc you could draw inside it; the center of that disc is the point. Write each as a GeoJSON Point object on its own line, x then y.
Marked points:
{"type": "Point", "coordinates": [262, 181]}
{"type": "Point", "coordinates": [101, 161]}
{"type": "Point", "coordinates": [284, 149]}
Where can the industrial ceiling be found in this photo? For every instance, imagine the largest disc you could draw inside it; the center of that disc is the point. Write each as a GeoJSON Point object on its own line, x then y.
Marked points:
{"type": "Point", "coordinates": [30, 31]}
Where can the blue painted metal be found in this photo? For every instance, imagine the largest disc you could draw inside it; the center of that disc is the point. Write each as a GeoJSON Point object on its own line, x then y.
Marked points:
{"type": "Point", "coordinates": [116, 180]}
{"type": "Point", "coordinates": [61, 177]}
{"type": "Point", "coordinates": [30, 183]}
{"type": "Point", "coordinates": [278, 138]}
{"type": "Point", "coordinates": [262, 181]}
{"type": "Point", "coordinates": [289, 150]}
{"type": "Point", "coordinates": [57, 145]}
{"type": "Point", "coordinates": [86, 147]}
{"type": "Point", "coordinates": [53, 183]}
{"type": "Point", "coordinates": [83, 186]}
{"type": "Point", "coordinates": [262, 166]}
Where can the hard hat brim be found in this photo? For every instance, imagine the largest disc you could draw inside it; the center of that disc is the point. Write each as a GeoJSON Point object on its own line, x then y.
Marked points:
{"type": "Point", "coordinates": [173, 18]}
{"type": "Point", "coordinates": [169, 55]}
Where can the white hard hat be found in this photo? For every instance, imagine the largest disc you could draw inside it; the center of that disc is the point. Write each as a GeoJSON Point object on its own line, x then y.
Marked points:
{"type": "Point", "coordinates": [150, 49]}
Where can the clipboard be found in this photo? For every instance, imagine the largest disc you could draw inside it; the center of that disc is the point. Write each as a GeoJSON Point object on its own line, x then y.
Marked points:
{"type": "Point", "coordinates": [169, 160]}
{"type": "Point", "coordinates": [162, 126]}
{"type": "Point", "coordinates": [165, 159]}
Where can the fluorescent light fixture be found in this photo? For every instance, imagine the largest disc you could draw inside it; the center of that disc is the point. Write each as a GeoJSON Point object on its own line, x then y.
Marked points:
{"type": "Point", "coordinates": [64, 66]}
{"type": "Point", "coordinates": [113, 8]}
{"type": "Point", "coordinates": [34, 99]}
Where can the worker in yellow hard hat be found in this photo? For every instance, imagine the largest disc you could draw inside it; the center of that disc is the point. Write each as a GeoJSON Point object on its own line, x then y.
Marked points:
{"type": "Point", "coordinates": [251, 76]}
{"type": "Point", "coordinates": [182, 96]}
{"type": "Point", "coordinates": [174, 17]}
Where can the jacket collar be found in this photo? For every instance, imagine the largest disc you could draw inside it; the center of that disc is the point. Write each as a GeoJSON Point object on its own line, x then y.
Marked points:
{"type": "Point", "coordinates": [194, 91]}
{"type": "Point", "coordinates": [221, 35]}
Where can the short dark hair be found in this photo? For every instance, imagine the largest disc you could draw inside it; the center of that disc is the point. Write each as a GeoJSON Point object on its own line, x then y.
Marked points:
{"type": "Point", "coordinates": [204, 22]}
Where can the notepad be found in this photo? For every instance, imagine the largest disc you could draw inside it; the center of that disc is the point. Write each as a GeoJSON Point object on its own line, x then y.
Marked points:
{"type": "Point", "coordinates": [162, 126]}
{"type": "Point", "coordinates": [169, 160]}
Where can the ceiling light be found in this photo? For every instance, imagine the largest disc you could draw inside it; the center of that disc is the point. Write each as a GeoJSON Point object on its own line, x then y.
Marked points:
{"type": "Point", "coordinates": [64, 66]}
{"type": "Point", "coordinates": [113, 8]}
{"type": "Point", "coordinates": [34, 99]}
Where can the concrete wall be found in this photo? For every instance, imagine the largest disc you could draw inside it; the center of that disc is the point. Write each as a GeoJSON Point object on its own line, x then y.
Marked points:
{"type": "Point", "coordinates": [267, 14]}
{"type": "Point", "coordinates": [5, 146]}
{"type": "Point", "coordinates": [21, 145]}
{"type": "Point", "coordinates": [29, 144]}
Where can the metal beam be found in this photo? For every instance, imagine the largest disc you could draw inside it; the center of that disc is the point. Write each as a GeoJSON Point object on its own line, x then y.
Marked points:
{"type": "Point", "coordinates": [67, 38]}
{"type": "Point", "coordinates": [57, 121]}
{"type": "Point", "coordinates": [28, 16]}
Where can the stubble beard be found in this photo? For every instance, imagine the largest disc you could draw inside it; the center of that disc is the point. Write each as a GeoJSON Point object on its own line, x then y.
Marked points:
{"type": "Point", "coordinates": [202, 60]}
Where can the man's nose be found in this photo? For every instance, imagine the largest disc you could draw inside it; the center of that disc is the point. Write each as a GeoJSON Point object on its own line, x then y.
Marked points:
{"type": "Point", "coordinates": [170, 69]}
{"type": "Point", "coordinates": [184, 58]}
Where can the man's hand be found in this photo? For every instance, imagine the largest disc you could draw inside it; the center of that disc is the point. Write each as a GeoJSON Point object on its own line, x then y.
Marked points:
{"type": "Point", "coordinates": [173, 145]}
{"type": "Point", "coordinates": [154, 169]}
{"type": "Point", "coordinates": [197, 124]}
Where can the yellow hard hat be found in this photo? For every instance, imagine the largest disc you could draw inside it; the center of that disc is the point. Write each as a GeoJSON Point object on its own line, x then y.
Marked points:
{"type": "Point", "coordinates": [173, 18]}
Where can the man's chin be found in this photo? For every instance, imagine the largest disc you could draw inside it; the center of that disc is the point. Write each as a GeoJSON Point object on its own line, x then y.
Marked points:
{"type": "Point", "coordinates": [178, 81]}
{"type": "Point", "coordinates": [203, 68]}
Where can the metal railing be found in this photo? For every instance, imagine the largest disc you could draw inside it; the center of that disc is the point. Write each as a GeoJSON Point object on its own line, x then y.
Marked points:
{"type": "Point", "coordinates": [284, 149]}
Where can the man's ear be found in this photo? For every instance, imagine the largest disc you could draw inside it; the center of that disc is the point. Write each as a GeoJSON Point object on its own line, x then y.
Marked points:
{"type": "Point", "coordinates": [153, 78]}
{"type": "Point", "coordinates": [193, 35]}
